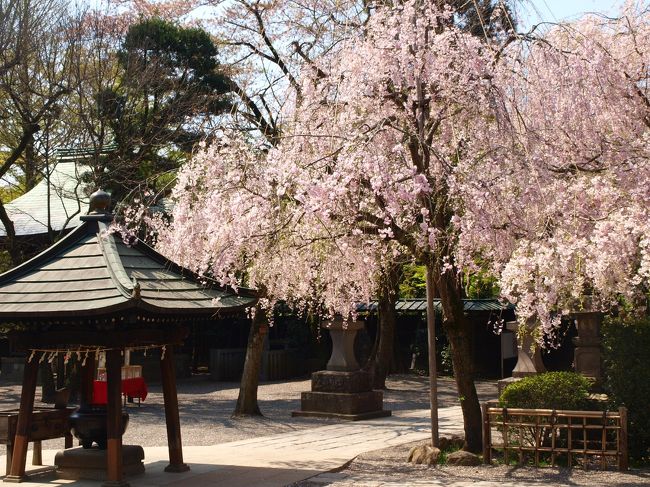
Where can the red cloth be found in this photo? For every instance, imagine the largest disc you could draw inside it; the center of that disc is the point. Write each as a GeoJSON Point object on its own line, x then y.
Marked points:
{"type": "Point", "coordinates": [136, 387]}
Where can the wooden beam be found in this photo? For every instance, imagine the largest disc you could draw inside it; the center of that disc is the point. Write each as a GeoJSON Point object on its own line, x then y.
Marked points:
{"type": "Point", "coordinates": [114, 471]}
{"type": "Point", "coordinates": [73, 338]}
{"type": "Point", "coordinates": [172, 419]}
{"type": "Point", "coordinates": [23, 427]}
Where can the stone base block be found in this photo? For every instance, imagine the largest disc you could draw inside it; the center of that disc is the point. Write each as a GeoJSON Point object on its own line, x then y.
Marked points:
{"type": "Point", "coordinates": [341, 382]}
{"type": "Point", "coordinates": [340, 403]}
{"type": "Point", "coordinates": [80, 463]}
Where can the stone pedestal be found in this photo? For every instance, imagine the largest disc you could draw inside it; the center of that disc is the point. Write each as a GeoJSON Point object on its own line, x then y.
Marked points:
{"type": "Point", "coordinates": [90, 463]}
{"type": "Point", "coordinates": [342, 391]}
{"type": "Point", "coordinates": [344, 395]}
{"type": "Point", "coordinates": [587, 354]}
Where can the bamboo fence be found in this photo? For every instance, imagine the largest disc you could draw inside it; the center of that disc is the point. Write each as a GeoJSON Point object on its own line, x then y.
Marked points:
{"type": "Point", "coordinates": [541, 435]}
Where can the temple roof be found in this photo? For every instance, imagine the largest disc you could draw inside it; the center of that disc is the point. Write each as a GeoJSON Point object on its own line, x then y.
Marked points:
{"type": "Point", "coordinates": [66, 198]}
{"type": "Point", "coordinates": [92, 272]}
{"type": "Point", "coordinates": [420, 305]}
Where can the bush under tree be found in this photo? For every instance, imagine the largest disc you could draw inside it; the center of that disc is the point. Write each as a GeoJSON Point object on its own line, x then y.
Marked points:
{"type": "Point", "coordinates": [551, 390]}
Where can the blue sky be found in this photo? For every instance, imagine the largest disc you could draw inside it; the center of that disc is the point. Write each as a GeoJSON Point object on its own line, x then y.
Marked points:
{"type": "Point", "coordinates": [534, 11]}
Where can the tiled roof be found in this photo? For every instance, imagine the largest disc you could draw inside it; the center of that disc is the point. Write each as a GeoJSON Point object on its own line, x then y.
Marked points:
{"type": "Point", "coordinates": [92, 272]}
{"type": "Point", "coordinates": [420, 305]}
{"type": "Point", "coordinates": [30, 212]}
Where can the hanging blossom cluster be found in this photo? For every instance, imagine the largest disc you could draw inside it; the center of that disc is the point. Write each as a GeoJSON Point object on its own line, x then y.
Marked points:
{"type": "Point", "coordinates": [417, 137]}
{"type": "Point", "coordinates": [376, 140]}
{"type": "Point", "coordinates": [561, 202]}
{"type": "Point", "coordinates": [235, 221]}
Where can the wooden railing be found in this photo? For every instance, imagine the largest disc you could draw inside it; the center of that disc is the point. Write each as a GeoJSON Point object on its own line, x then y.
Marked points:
{"type": "Point", "coordinates": [546, 435]}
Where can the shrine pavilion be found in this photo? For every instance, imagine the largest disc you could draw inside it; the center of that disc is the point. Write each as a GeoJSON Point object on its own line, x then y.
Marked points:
{"type": "Point", "coordinates": [92, 293]}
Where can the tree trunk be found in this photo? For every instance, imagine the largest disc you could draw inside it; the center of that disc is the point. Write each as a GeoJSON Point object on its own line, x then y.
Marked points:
{"type": "Point", "coordinates": [10, 242]}
{"type": "Point", "coordinates": [459, 333]}
{"type": "Point", "coordinates": [386, 320]}
{"type": "Point", "coordinates": [30, 163]}
{"type": "Point", "coordinates": [247, 400]}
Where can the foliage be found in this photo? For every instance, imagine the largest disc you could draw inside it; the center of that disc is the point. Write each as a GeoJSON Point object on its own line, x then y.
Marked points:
{"type": "Point", "coordinates": [481, 284]}
{"type": "Point", "coordinates": [626, 343]}
{"type": "Point", "coordinates": [5, 261]}
{"type": "Point", "coordinates": [170, 83]}
{"type": "Point", "coordinates": [550, 390]}
{"type": "Point", "coordinates": [560, 208]}
{"type": "Point", "coordinates": [446, 362]}
{"type": "Point", "coordinates": [413, 283]}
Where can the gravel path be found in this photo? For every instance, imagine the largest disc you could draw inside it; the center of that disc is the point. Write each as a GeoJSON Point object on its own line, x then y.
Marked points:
{"type": "Point", "coordinates": [205, 409]}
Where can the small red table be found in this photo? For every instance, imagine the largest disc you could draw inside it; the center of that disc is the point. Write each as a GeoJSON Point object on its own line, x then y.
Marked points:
{"type": "Point", "coordinates": [135, 387]}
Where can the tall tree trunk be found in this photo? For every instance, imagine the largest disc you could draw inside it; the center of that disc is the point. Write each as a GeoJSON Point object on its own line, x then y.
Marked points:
{"type": "Point", "coordinates": [247, 400]}
{"type": "Point", "coordinates": [459, 333]}
{"type": "Point", "coordinates": [386, 321]}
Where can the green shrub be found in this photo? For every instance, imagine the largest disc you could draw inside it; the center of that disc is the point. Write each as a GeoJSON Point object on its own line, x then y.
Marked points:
{"type": "Point", "coordinates": [551, 390]}
{"type": "Point", "coordinates": [626, 345]}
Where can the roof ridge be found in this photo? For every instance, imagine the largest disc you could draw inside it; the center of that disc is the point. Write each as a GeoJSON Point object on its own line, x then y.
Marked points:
{"type": "Point", "coordinates": [106, 239]}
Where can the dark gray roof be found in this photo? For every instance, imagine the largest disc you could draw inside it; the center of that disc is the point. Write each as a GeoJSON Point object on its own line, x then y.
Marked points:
{"type": "Point", "coordinates": [30, 211]}
{"type": "Point", "coordinates": [92, 272]}
{"type": "Point", "coordinates": [420, 305]}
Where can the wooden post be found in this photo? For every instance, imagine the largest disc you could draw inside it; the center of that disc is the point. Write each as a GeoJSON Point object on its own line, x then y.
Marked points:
{"type": "Point", "coordinates": [10, 452]}
{"type": "Point", "coordinates": [19, 458]}
{"type": "Point", "coordinates": [114, 473]}
{"type": "Point", "coordinates": [487, 438]}
{"type": "Point", "coordinates": [37, 453]}
{"type": "Point", "coordinates": [168, 375]}
{"type": "Point", "coordinates": [622, 454]}
{"type": "Point", "coordinates": [431, 340]}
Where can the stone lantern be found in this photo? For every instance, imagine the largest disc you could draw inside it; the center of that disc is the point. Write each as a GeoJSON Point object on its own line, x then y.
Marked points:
{"type": "Point", "coordinates": [587, 355]}
{"type": "Point", "coordinates": [343, 390]}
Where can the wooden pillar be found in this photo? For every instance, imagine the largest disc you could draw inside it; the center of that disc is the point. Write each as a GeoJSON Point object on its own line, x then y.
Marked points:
{"type": "Point", "coordinates": [21, 441]}
{"type": "Point", "coordinates": [114, 472]}
{"type": "Point", "coordinates": [487, 435]}
{"type": "Point", "coordinates": [87, 378]}
{"type": "Point", "coordinates": [168, 375]}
